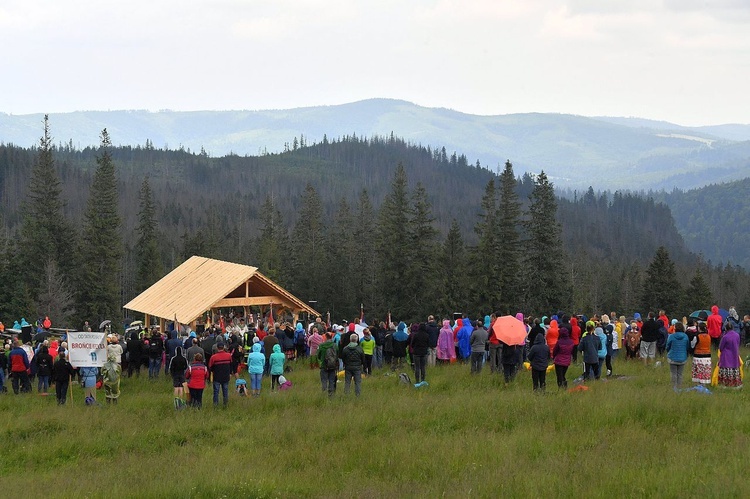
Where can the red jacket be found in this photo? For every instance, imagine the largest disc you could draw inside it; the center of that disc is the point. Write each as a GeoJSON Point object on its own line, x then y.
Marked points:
{"type": "Point", "coordinates": [196, 375]}
{"type": "Point", "coordinates": [714, 323]}
{"type": "Point", "coordinates": [19, 361]}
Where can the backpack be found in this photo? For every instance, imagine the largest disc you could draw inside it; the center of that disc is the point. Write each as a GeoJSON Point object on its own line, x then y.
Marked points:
{"type": "Point", "coordinates": [331, 359]}
{"type": "Point", "coordinates": [300, 338]}
{"type": "Point", "coordinates": [404, 378]}
{"type": "Point", "coordinates": [179, 404]}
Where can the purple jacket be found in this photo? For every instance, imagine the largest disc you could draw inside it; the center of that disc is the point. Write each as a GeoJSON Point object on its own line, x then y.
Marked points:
{"type": "Point", "coordinates": [730, 350]}
{"type": "Point", "coordinates": [562, 353]}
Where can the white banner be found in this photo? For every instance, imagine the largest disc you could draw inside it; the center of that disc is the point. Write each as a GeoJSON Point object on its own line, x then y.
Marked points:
{"type": "Point", "coordinates": [87, 349]}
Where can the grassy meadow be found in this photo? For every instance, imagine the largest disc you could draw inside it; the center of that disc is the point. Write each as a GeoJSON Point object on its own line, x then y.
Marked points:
{"type": "Point", "coordinates": [461, 436]}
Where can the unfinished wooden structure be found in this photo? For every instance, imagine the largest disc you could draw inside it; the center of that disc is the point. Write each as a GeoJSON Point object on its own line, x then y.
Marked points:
{"type": "Point", "coordinates": [201, 285]}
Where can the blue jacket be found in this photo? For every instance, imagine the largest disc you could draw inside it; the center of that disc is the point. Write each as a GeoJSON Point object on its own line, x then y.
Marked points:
{"type": "Point", "coordinates": [677, 347]}
{"type": "Point", "coordinates": [276, 360]}
{"type": "Point", "coordinates": [602, 352]}
{"type": "Point", "coordinates": [464, 338]}
{"type": "Point", "coordinates": [256, 361]}
{"type": "Point", "coordinates": [401, 334]}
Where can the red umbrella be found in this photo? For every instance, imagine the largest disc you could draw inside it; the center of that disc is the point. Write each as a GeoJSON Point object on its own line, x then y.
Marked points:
{"type": "Point", "coordinates": [509, 330]}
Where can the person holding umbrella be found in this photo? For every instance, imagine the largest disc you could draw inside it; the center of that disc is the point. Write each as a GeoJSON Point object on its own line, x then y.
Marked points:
{"type": "Point", "coordinates": [510, 332]}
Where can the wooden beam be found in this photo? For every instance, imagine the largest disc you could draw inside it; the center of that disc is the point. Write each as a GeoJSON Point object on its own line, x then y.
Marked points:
{"type": "Point", "coordinates": [250, 301]}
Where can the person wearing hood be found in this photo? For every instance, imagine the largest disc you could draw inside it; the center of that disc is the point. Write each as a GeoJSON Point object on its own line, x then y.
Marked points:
{"type": "Point", "coordinates": [256, 362]}
{"type": "Point", "coordinates": [602, 352]}
{"type": "Point", "coordinates": [327, 375]}
{"type": "Point", "coordinates": [464, 339]}
{"type": "Point", "coordinates": [400, 341]}
{"type": "Point", "coordinates": [562, 355]}
{"type": "Point", "coordinates": [730, 374]}
{"type": "Point", "coordinates": [575, 335]}
{"type": "Point", "coordinates": [446, 350]}
{"type": "Point", "coordinates": [553, 333]}
{"type": "Point", "coordinates": [111, 374]}
{"type": "Point", "coordinates": [354, 358]}
{"type": "Point", "coordinates": [509, 359]}
{"type": "Point", "coordinates": [177, 367]}
{"type": "Point", "coordinates": [714, 323]}
{"type": "Point", "coordinates": [300, 340]}
{"type": "Point", "coordinates": [171, 347]}
{"type": "Point", "coordinates": [538, 356]}
{"type": "Point", "coordinates": [276, 360]}
{"type": "Point", "coordinates": [44, 363]}
{"type": "Point", "coordinates": [590, 345]}
{"type": "Point", "coordinates": [478, 343]}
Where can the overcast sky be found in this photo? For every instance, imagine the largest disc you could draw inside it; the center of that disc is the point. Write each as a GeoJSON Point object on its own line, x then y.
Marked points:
{"type": "Point", "coordinates": [685, 61]}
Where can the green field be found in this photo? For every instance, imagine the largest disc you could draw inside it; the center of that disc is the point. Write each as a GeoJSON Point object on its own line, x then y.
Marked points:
{"type": "Point", "coordinates": [461, 436]}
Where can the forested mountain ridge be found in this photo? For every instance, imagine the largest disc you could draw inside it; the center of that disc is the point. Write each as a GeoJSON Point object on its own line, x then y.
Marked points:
{"type": "Point", "coordinates": [315, 217]}
{"type": "Point", "coordinates": [575, 151]}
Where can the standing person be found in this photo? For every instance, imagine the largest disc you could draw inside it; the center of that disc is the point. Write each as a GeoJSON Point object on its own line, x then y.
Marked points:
{"type": "Point", "coordinates": [713, 323]}
{"type": "Point", "coordinates": [379, 336]}
{"type": "Point", "coordinates": [433, 333]}
{"type": "Point", "coordinates": [300, 340]}
{"type": "Point", "coordinates": [256, 362]}
{"type": "Point", "coordinates": [400, 340]}
{"type": "Point", "coordinates": [609, 333]}
{"type": "Point", "coordinates": [155, 351]}
{"type": "Point", "coordinates": [313, 343]}
{"type": "Point", "coordinates": [602, 353]}
{"type": "Point", "coordinates": [3, 367]}
{"type": "Point", "coordinates": [135, 353]}
{"type": "Point", "coordinates": [590, 345]}
{"type": "Point", "coordinates": [171, 347]}
{"type": "Point", "coordinates": [368, 347]}
{"type": "Point", "coordinates": [276, 361]}
{"type": "Point", "coordinates": [510, 361]}
{"type": "Point", "coordinates": [237, 353]}
{"type": "Point", "coordinates": [420, 344]}
{"type": "Point", "coordinates": [539, 358]}
{"type": "Point", "coordinates": [701, 345]}
{"type": "Point", "coordinates": [62, 371]}
{"type": "Point", "coordinates": [649, 337]}
{"type": "Point", "coordinates": [268, 342]}
{"type": "Point", "coordinates": [328, 363]}
{"type": "Point", "coordinates": [677, 354]}
{"type": "Point", "coordinates": [353, 357]}
{"type": "Point", "coordinates": [562, 356]}
{"type": "Point", "coordinates": [464, 339]}
{"type": "Point", "coordinates": [729, 358]}
{"type": "Point", "coordinates": [553, 333]}
{"type": "Point", "coordinates": [194, 349]}
{"type": "Point", "coordinates": [196, 376]}
{"type": "Point", "coordinates": [111, 373]}
{"type": "Point", "coordinates": [478, 342]}
{"type": "Point", "coordinates": [88, 379]}
{"type": "Point", "coordinates": [388, 344]}
{"type": "Point", "coordinates": [575, 335]}
{"type": "Point", "coordinates": [494, 348]}
{"type": "Point", "coordinates": [19, 368]}
{"type": "Point", "coordinates": [43, 369]}
{"type": "Point", "coordinates": [177, 367]}
{"type": "Point", "coordinates": [445, 349]}
{"type": "Point", "coordinates": [633, 341]}
{"type": "Point", "coordinates": [221, 370]}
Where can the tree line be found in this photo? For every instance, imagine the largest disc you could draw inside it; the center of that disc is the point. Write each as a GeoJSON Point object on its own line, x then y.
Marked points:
{"type": "Point", "coordinates": [376, 222]}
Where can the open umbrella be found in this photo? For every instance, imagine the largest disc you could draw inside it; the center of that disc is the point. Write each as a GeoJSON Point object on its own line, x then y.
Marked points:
{"type": "Point", "coordinates": [700, 314]}
{"type": "Point", "coordinates": [104, 324]}
{"type": "Point", "coordinates": [509, 330]}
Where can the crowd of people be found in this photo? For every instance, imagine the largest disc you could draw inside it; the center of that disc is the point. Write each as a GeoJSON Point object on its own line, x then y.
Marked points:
{"type": "Point", "coordinates": [223, 351]}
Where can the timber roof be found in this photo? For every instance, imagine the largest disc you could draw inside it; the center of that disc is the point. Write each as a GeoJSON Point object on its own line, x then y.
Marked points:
{"type": "Point", "coordinates": [200, 284]}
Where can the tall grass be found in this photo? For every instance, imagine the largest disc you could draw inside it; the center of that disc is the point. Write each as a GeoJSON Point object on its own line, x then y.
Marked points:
{"type": "Point", "coordinates": [461, 436]}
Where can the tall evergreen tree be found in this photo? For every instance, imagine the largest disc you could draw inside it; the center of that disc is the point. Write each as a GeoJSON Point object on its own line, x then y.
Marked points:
{"type": "Point", "coordinates": [55, 298]}
{"type": "Point", "coordinates": [101, 247]}
{"type": "Point", "coordinates": [661, 288]}
{"type": "Point", "coordinates": [393, 248]}
{"type": "Point", "coordinates": [270, 254]}
{"type": "Point", "coordinates": [308, 247]}
{"type": "Point", "coordinates": [484, 258]}
{"type": "Point", "coordinates": [697, 295]}
{"type": "Point", "coordinates": [421, 279]}
{"type": "Point", "coordinates": [364, 267]}
{"type": "Point", "coordinates": [340, 265]}
{"type": "Point", "coordinates": [452, 290]}
{"type": "Point", "coordinates": [46, 233]}
{"type": "Point", "coordinates": [149, 268]}
{"type": "Point", "coordinates": [544, 256]}
{"type": "Point", "coordinates": [509, 238]}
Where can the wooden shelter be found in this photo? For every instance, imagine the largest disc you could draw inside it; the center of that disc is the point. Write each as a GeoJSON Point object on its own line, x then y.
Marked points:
{"type": "Point", "coordinates": [203, 284]}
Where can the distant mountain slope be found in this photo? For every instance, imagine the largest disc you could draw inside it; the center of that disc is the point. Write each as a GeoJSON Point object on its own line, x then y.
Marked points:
{"type": "Point", "coordinates": [575, 151]}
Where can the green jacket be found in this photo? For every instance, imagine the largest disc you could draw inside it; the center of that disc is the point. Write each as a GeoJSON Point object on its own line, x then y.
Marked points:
{"type": "Point", "coordinates": [322, 352]}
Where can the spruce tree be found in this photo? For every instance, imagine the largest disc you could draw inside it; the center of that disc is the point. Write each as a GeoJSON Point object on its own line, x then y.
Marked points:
{"type": "Point", "coordinates": [697, 295]}
{"type": "Point", "coordinates": [394, 248]}
{"type": "Point", "coordinates": [544, 257]}
{"type": "Point", "coordinates": [270, 255]}
{"type": "Point", "coordinates": [46, 234]}
{"type": "Point", "coordinates": [485, 271]}
{"type": "Point", "coordinates": [148, 263]}
{"type": "Point", "coordinates": [509, 242]}
{"type": "Point", "coordinates": [421, 279]}
{"type": "Point", "coordinates": [308, 247]}
{"type": "Point", "coordinates": [101, 248]}
{"type": "Point", "coordinates": [452, 292]}
{"type": "Point", "coordinates": [364, 253]}
{"type": "Point", "coordinates": [661, 288]}
{"type": "Point", "coordinates": [340, 265]}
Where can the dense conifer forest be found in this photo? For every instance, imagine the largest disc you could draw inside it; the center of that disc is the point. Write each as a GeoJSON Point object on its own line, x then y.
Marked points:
{"type": "Point", "coordinates": [376, 221]}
